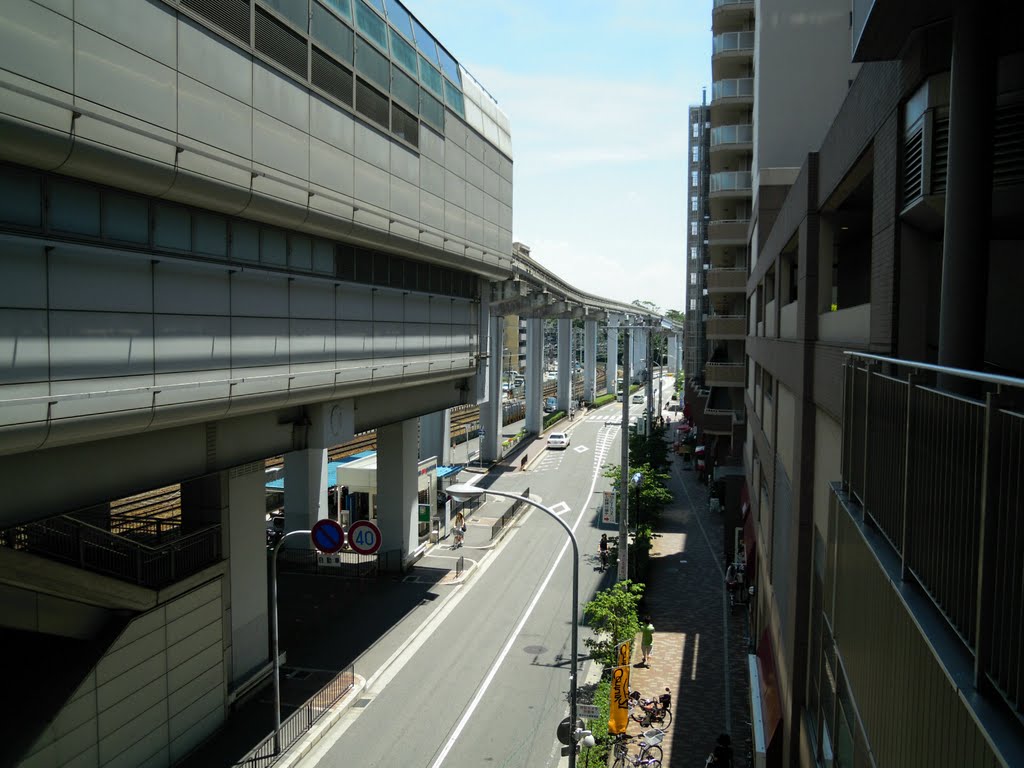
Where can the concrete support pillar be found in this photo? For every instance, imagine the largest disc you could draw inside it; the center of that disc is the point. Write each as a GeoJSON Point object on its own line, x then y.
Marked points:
{"type": "Point", "coordinates": [397, 489]}
{"type": "Point", "coordinates": [305, 488]}
{"type": "Point", "coordinates": [436, 436]}
{"type": "Point", "coordinates": [965, 244]}
{"type": "Point", "coordinates": [534, 375]}
{"type": "Point", "coordinates": [611, 372]}
{"type": "Point", "coordinates": [564, 364]}
{"type": "Point", "coordinates": [589, 360]}
{"type": "Point", "coordinates": [236, 499]}
{"type": "Point", "coordinates": [629, 353]}
{"type": "Point", "coordinates": [245, 548]}
{"type": "Point", "coordinates": [490, 410]}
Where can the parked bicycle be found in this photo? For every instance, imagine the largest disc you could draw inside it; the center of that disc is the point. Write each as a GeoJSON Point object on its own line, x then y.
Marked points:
{"type": "Point", "coordinates": [649, 712]}
{"type": "Point", "coordinates": [649, 754]}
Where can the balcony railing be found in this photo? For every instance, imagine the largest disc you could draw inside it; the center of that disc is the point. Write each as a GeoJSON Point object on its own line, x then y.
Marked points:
{"type": "Point", "coordinates": [723, 374]}
{"type": "Point", "coordinates": [939, 475]}
{"type": "Point", "coordinates": [738, 87]}
{"type": "Point", "coordinates": [732, 134]}
{"type": "Point", "coordinates": [728, 229]}
{"type": "Point", "coordinates": [722, 420]}
{"type": "Point", "coordinates": [720, 3]}
{"type": "Point", "coordinates": [732, 41]}
{"type": "Point", "coordinates": [727, 280]}
{"type": "Point", "coordinates": [93, 549]}
{"type": "Point", "coordinates": [727, 326]}
{"type": "Point", "coordinates": [731, 181]}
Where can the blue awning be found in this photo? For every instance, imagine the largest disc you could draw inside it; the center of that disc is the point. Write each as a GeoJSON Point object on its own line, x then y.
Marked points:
{"type": "Point", "coordinates": [332, 471]}
{"type": "Point", "coordinates": [443, 472]}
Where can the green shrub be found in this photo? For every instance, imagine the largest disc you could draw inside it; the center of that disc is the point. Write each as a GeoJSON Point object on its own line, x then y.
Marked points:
{"type": "Point", "coordinates": [552, 418]}
{"type": "Point", "coordinates": [602, 400]}
{"type": "Point", "coordinates": [600, 694]}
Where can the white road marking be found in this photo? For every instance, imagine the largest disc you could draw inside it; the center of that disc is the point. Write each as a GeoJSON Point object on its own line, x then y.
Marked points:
{"type": "Point", "coordinates": [581, 449]}
{"type": "Point", "coordinates": [511, 640]}
{"type": "Point", "coordinates": [560, 508]}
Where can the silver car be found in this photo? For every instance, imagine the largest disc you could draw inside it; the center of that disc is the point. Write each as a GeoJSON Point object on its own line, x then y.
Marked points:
{"type": "Point", "coordinates": [558, 440]}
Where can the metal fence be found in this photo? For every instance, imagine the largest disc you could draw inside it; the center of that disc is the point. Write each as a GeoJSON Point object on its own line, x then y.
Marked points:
{"type": "Point", "coordinates": [299, 722]}
{"type": "Point", "coordinates": [348, 564]}
{"type": "Point", "coordinates": [940, 474]}
{"type": "Point", "coordinates": [91, 548]}
{"type": "Point", "coordinates": [460, 565]}
{"type": "Point", "coordinates": [509, 514]}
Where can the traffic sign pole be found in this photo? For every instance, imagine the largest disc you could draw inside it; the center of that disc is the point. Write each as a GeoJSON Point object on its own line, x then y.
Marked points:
{"type": "Point", "coordinates": [273, 638]}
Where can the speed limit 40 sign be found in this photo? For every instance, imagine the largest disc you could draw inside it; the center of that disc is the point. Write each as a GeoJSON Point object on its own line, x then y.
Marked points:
{"type": "Point", "coordinates": [364, 537]}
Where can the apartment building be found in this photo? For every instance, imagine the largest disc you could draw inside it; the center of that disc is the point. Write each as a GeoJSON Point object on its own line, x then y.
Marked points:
{"type": "Point", "coordinates": [695, 351]}
{"type": "Point", "coordinates": [884, 389]}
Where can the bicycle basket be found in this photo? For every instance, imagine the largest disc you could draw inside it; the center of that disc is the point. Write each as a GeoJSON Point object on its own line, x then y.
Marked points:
{"type": "Point", "coordinates": [653, 736]}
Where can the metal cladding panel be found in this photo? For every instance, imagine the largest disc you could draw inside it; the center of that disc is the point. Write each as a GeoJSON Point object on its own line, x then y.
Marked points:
{"type": "Point", "coordinates": [115, 76]}
{"type": "Point", "coordinates": [87, 345]}
{"type": "Point", "coordinates": [278, 145]}
{"type": "Point", "coordinates": [372, 184]}
{"type": "Point", "coordinates": [331, 167]}
{"type": "Point", "coordinates": [149, 28]}
{"type": "Point", "coordinates": [23, 346]}
{"type": "Point", "coordinates": [231, 131]}
{"type": "Point", "coordinates": [259, 295]}
{"type": "Point", "coordinates": [204, 57]}
{"type": "Point", "coordinates": [38, 44]}
{"type": "Point", "coordinates": [191, 343]}
{"type": "Point", "coordinates": [330, 124]}
{"type": "Point", "coordinates": [259, 341]}
{"type": "Point", "coordinates": [280, 97]}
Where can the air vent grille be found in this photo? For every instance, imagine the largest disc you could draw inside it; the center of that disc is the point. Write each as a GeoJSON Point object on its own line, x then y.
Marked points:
{"type": "Point", "coordinates": [940, 151]}
{"type": "Point", "coordinates": [371, 103]}
{"type": "Point", "coordinates": [282, 45]}
{"type": "Point", "coordinates": [1008, 150]}
{"type": "Point", "coordinates": [230, 15]}
{"type": "Point", "coordinates": [405, 125]}
{"type": "Point", "coordinates": [913, 166]}
{"type": "Point", "coordinates": [331, 77]}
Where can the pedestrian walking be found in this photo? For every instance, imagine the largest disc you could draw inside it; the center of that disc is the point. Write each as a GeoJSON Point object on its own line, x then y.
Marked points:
{"type": "Point", "coordinates": [646, 641]}
{"type": "Point", "coordinates": [602, 548]}
{"type": "Point", "coordinates": [460, 529]}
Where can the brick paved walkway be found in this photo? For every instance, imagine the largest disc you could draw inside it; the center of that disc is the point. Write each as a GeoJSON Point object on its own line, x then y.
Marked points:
{"type": "Point", "coordinates": [700, 643]}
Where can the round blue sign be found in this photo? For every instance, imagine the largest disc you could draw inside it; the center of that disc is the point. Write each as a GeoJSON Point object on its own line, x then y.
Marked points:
{"type": "Point", "coordinates": [328, 536]}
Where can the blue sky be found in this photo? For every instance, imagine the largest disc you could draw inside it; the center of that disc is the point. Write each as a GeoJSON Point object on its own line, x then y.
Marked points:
{"type": "Point", "coordinates": [597, 94]}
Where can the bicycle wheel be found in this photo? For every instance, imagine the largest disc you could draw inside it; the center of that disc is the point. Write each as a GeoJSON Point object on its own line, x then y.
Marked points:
{"type": "Point", "coordinates": [653, 751]}
{"type": "Point", "coordinates": [667, 718]}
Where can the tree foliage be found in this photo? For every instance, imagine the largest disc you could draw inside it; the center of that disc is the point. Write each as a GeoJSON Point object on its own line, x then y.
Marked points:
{"type": "Point", "coordinates": [612, 615]}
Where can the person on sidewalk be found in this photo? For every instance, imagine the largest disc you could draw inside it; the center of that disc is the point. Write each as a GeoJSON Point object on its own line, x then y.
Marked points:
{"type": "Point", "coordinates": [460, 529]}
{"type": "Point", "coordinates": [602, 548]}
{"type": "Point", "coordinates": [646, 641]}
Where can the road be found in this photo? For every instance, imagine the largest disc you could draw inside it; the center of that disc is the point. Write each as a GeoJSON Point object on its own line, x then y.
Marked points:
{"type": "Point", "coordinates": [486, 680]}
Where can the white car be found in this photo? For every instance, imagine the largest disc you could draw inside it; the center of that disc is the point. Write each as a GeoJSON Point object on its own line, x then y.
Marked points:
{"type": "Point", "coordinates": [558, 440]}
{"type": "Point", "coordinates": [638, 398]}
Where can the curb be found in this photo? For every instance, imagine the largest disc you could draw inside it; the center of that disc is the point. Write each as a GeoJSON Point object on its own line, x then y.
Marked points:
{"type": "Point", "coordinates": [312, 737]}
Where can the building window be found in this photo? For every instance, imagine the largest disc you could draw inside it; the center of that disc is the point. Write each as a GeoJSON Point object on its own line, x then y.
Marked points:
{"type": "Point", "coordinates": [693, 178]}
{"type": "Point", "coordinates": [693, 228]}
{"type": "Point", "coordinates": [693, 305]}
{"type": "Point", "coordinates": [693, 278]}
{"type": "Point", "coordinates": [696, 130]}
{"type": "Point", "coordinates": [693, 252]}
{"type": "Point", "coordinates": [696, 154]}
{"type": "Point", "coordinates": [693, 203]}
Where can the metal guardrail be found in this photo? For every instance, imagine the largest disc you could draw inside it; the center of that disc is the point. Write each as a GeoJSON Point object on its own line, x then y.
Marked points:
{"type": "Point", "coordinates": [939, 475]}
{"type": "Point", "coordinates": [292, 559]}
{"type": "Point", "coordinates": [94, 549]}
{"type": "Point", "coordinates": [509, 514]}
{"type": "Point", "coordinates": [299, 722]}
{"type": "Point", "coordinates": [460, 565]}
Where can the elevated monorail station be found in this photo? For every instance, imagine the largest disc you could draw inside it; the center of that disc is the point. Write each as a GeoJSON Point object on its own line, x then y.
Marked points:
{"type": "Point", "coordinates": [229, 231]}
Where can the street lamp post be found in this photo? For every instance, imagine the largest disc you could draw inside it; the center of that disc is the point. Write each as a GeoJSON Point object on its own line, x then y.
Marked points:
{"type": "Point", "coordinates": [623, 566]}
{"type": "Point", "coordinates": [464, 492]}
{"type": "Point", "coordinates": [274, 638]}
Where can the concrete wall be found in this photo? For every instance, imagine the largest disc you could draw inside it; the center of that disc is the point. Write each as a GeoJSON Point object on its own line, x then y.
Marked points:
{"type": "Point", "coordinates": [802, 51]}
{"type": "Point", "coordinates": [155, 695]}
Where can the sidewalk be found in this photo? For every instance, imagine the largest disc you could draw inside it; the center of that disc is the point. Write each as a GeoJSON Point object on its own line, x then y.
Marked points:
{"type": "Point", "coordinates": [700, 643]}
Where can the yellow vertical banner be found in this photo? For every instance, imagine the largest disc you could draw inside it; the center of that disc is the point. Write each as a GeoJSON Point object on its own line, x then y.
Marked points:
{"type": "Point", "coordinates": [618, 718]}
